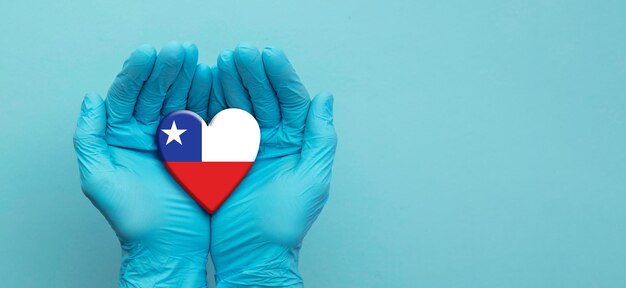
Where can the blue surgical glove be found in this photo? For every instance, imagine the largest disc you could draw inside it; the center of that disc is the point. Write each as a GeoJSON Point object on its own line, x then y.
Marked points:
{"type": "Point", "coordinates": [257, 233]}
{"type": "Point", "coordinates": [163, 233]}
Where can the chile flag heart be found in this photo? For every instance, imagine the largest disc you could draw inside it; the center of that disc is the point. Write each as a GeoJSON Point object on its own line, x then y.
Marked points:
{"type": "Point", "coordinates": [209, 161]}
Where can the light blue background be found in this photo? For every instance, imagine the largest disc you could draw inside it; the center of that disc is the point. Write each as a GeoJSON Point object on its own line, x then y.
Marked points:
{"type": "Point", "coordinates": [482, 143]}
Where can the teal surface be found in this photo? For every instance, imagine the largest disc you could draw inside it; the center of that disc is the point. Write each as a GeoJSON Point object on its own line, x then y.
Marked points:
{"type": "Point", "coordinates": [481, 143]}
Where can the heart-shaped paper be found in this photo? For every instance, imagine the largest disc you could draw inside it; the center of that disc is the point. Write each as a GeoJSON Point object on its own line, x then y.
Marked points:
{"type": "Point", "coordinates": [209, 161]}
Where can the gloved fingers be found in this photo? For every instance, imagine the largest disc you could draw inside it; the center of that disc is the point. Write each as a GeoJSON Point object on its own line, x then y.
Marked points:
{"type": "Point", "coordinates": [320, 139]}
{"type": "Point", "coordinates": [235, 94]}
{"type": "Point", "coordinates": [164, 73]}
{"type": "Point", "coordinates": [264, 103]}
{"type": "Point", "coordinates": [198, 100]}
{"type": "Point", "coordinates": [176, 97]}
{"type": "Point", "coordinates": [292, 95]}
{"type": "Point", "coordinates": [91, 147]}
{"type": "Point", "coordinates": [122, 95]}
{"type": "Point", "coordinates": [217, 102]}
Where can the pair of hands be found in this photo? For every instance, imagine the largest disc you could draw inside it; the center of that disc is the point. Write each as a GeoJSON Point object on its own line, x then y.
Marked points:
{"type": "Point", "coordinates": [255, 236]}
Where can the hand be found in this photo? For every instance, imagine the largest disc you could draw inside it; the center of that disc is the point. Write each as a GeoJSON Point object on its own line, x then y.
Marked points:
{"type": "Point", "coordinates": [258, 231]}
{"type": "Point", "coordinates": [164, 234]}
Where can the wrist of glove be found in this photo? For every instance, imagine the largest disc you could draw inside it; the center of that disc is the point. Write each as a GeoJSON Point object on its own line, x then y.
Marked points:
{"type": "Point", "coordinates": [143, 267]}
{"type": "Point", "coordinates": [279, 272]}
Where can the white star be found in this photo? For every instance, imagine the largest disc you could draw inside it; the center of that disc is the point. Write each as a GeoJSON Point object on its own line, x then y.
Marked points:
{"type": "Point", "coordinates": [173, 134]}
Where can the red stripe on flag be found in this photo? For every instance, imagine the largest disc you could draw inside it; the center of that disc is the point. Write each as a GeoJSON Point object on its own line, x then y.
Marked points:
{"type": "Point", "coordinates": [209, 183]}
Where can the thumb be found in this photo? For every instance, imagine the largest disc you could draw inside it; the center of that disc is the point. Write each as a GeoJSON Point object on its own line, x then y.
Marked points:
{"type": "Point", "coordinates": [91, 148]}
{"type": "Point", "coordinates": [320, 139]}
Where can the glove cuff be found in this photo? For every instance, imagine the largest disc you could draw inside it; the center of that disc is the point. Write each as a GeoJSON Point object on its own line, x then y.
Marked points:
{"type": "Point", "coordinates": [262, 277]}
{"type": "Point", "coordinates": [150, 269]}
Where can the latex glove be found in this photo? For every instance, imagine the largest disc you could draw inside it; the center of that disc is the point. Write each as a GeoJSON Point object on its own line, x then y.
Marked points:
{"type": "Point", "coordinates": [257, 233]}
{"type": "Point", "coordinates": [163, 233]}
